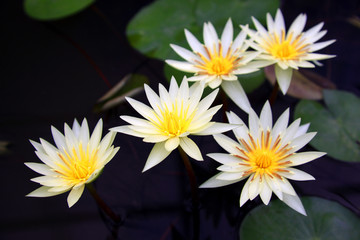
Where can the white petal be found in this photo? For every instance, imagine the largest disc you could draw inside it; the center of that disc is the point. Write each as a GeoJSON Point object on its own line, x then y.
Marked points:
{"type": "Point", "coordinates": [157, 155]}
{"type": "Point", "coordinates": [195, 45]}
{"type": "Point", "coordinates": [153, 99]}
{"type": "Point", "coordinates": [274, 186]}
{"type": "Point", "coordinates": [266, 116]}
{"type": "Point", "coordinates": [206, 102]}
{"type": "Point", "coordinates": [254, 187]}
{"type": "Point", "coordinates": [172, 143]}
{"type": "Point", "coordinates": [84, 133]}
{"type": "Point", "coordinates": [265, 193]}
{"type": "Point", "coordinates": [286, 187]}
{"type": "Point", "coordinates": [279, 22]}
{"type": "Point", "coordinates": [290, 132]}
{"type": "Point", "coordinates": [96, 135]}
{"type": "Point", "coordinates": [320, 45]}
{"type": "Point", "coordinates": [173, 90]}
{"type": "Point", "coordinates": [244, 70]}
{"type": "Point", "coordinates": [305, 64]}
{"type": "Point", "coordinates": [217, 128]}
{"type": "Point", "coordinates": [301, 141]}
{"type": "Point", "coordinates": [254, 124]}
{"type": "Point", "coordinates": [283, 78]}
{"type": "Point", "coordinates": [142, 109]}
{"type": "Point", "coordinates": [155, 138]}
{"type": "Point", "coordinates": [183, 66]}
{"type": "Point", "coordinates": [296, 174]}
{"type": "Point", "coordinates": [227, 37]}
{"type": "Point", "coordinates": [215, 82]}
{"type": "Point", "coordinates": [239, 40]}
{"type": "Point", "coordinates": [225, 158]}
{"type": "Point", "coordinates": [294, 202]}
{"type": "Point", "coordinates": [245, 192]}
{"type": "Point", "coordinates": [313, 31]}
{"type": "Point", "coordinates": [316, 56]}
{"type": "Point", "coordinates": [237, 94]}
{"type": "Point", "coordinates": [210, 37]}
{"type": "Point", "coordinates": [75, 195]}
{"type": "Point", "coordinates": [270, 23]}
{"type": "Point", "coordinates": [259, 27]}
{"type": "Point", "coordinates": [43, 192]}
{"type": "Point", "coordinates": [298, 25]}
{"type": "Point", "coordinates": [227, 143]}
{"type": "Point", "coordinates": [191, 149]}
{"type": "Point", "coordinates": [227, 176]}
{"type": "Point", "coordinates": [302, 130]}
{"type": "Point", "coordinates": [58, 138]}
{"type": "Point", "coordinates": [185, 54]}
{"type": "Point", "coordinates": [40, 168]}
{"type": "Point", "coordinates": [129, 131]}
{"type": "Point", "coordinates": [303, 157]}
{"type": "Point", "coordinates": [281, 124]}
{"type": "Point", "coordinates": [214, 182]}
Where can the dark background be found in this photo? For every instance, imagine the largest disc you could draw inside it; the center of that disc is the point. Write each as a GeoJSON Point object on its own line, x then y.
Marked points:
{"type": "Point", "coordinates": [54, 72]}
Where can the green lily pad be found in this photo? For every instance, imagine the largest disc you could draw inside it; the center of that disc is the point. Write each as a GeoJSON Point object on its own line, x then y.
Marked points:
{"type": "Point", "coordinates": [325, 220]}
{"type": "Point", "coordinates": [54, 9]}
{"type": "Point", "coordinates": [163, 22]}
{"type": "Point", "coordinates": [337, 124]}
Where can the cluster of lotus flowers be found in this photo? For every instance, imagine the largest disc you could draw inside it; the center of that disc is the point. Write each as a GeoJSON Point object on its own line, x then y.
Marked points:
{"type": "Point", "coordinates": [263, 153]}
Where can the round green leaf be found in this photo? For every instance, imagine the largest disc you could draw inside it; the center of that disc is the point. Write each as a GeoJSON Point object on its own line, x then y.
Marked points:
{"type": "Point", "coordinates": [326, 220]}
{"type": "Point", "coordinates": [337, 124]}
{"type": "Point", "coordinates": [54, 9]}
{"type": "Point", "coordinates": [163, 22]}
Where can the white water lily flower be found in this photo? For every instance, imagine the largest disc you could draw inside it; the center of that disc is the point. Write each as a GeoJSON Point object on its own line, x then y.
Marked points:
{"type": "Point", "coordinates": [289, 50]}
{"type": "Point", "coordinates": [266, 155]}
{"type": "Point", "coordinates": [77, 159]}
{"type": "Point", "coordinates": [172, 117]}
{"type": "Point", "coordinates": [218, 61]}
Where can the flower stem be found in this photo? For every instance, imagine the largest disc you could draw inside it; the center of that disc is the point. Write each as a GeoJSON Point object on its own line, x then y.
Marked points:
{"type": "Point", "coordinates": [194, 193]}
{"type": "Point", "coordinates": [105, 208]}
{"type": "Point", "coordinates": [274, 93]}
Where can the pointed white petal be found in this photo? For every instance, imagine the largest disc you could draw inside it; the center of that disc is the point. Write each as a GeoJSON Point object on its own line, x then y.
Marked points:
{"type": "Point", "coordinates": [294, 202]}
{"type": "Point", "coordinates": [296, 174]}
{"type": "Point", "coordinates": [75, 194]}
{"type": "Point", "coordinates": [185, 54]}
{"type": "Point", "coordinates": [265, 193]}
{"type": "Point", "coordinates": [320, 45]}
{"type": "Point", "coordinates": [172, 143]}
{"type": "Point", "coordinates": [245, 192]}
{"type": "Point", "coordinates": [157, 155]}
{"type": "Point", "coordinates": [227, 37]}
{"type": "Point", "coordinates": [303, 157]}
{"type": "Point", "coordinates": [266, 116]}
{"type": "Point", "coordinates": [43, 192]}
{"type": "Point", "coordinates": [191, 149]}
{"type": "Point", "coordinates": [155, 138]}
{"type": "Point", "coordinates": [254, 187]}
{"type": "Point", "coordinates": [302, 130]}
{"type": "Point", "coordinates": [210, 37]}
{"type": "Point", "coordinates": [281, 124]}
{"type": "Point", "coordinates": [129, 131]}
{"type": "Point", "coordinates": [298, 25]}
{"type": "Point", "coordinates": [214, 182]}
{"type": "Point", "coordinates": [215, 83]}
{"type": "Point", "coordinates": [237, 94]}
{"type": "Point", "coordinates": [225, 158]}
{"type": "Point", "coordinates": [217, 128]}
{"type": "Point", "coordinates": [183, 66]}
{"type": "Point", "coordinates": [283, 78]}
{"type": "Point", "coordinates": [195, 45]}
{"type": "Point", "coordinates": [84, 133]}
{"type": "Point", "coordinates": [301, 141]}
{"type": "Point", "coordinates": [40, 168]}
{"type": "Point", "coordinates": [58, 138]}
{"type": "Point", "coordinates": [227, 143]}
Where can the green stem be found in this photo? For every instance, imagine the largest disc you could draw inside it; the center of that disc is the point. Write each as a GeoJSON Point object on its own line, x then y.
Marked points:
{"type": "Point", "coordinates": [104, 207]}
{"type": "Point", "coordinates": [194, 193]}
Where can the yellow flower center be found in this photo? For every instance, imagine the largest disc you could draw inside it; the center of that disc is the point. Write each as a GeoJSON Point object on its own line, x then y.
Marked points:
{"type": "Point", "coordinates": [285, 49]}
{"type": "Point", "coordinates": [218, 64]}
{"type": "Point", "coordinates": [263, 157]}
{"type": "Point", "coordinates": [78, 164]}
{"type": "Point", "coordinates": [174, 121]}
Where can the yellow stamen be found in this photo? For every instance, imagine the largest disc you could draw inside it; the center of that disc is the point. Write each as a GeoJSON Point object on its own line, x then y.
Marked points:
{"type": "Point", "coordinates": [263, 157]}
{"type": "Point", "coordinates": [218, 64]}
{"type": "Point", "coordinates": [174, 121]}
{"type": "Point", "coordinates": [78, 164]}
{"type": "Point", "coordinates": [285, 48]}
